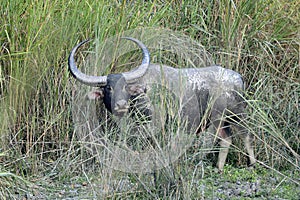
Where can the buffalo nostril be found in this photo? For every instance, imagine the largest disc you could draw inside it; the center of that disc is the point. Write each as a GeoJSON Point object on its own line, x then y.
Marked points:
{"type": "Point", "coordinates": [122, 104]}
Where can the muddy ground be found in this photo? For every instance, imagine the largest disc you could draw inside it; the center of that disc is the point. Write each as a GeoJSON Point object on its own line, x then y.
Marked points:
{"type": "Point", "coordinates": [233, 183]}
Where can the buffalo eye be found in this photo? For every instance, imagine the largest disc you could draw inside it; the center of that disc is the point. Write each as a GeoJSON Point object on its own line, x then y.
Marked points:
{"type": "Point", "coordinates": [109, 88]}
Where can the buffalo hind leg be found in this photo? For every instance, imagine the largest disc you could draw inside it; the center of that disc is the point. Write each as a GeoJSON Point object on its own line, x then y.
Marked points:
{"type": "Point", "coordinates": [225, 142]}
{"type": "Point", "coordinates": [248, 139]}
{"type": "Point", "coordinates": [248, 142]}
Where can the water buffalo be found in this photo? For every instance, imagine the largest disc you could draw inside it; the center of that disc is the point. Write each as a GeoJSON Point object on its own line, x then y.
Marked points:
{"type": "Point", "coordinates": [212, 90]}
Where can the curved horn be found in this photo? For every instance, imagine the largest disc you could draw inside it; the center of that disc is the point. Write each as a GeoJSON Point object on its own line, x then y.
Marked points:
{"type": "Point", "coordinates": [141, 70]}
{"type": "Point", "coordinates": [83, 78]}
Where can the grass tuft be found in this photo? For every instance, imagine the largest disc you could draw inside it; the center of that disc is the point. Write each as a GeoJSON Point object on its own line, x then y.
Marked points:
{"type": "Point", "coordinates": [259, 39]}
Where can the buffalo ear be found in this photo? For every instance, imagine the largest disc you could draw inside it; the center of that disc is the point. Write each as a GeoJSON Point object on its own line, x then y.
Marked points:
{"type": "Point", "coordinates": [96, 95]}
{"type": "Point", "coordinates": [136, 89]}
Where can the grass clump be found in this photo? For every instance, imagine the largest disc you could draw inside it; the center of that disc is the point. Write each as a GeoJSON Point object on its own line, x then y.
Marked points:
{"type": "Point", "coordinates": [259, 39]}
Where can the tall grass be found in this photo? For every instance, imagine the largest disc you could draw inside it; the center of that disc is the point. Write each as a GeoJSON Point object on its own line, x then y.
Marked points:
{"type": "Point", "coordinates": [260, 39]}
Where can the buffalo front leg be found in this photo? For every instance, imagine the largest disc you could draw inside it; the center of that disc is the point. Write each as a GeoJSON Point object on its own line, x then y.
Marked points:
{"type": "Point", "coordinates": [225, 143]}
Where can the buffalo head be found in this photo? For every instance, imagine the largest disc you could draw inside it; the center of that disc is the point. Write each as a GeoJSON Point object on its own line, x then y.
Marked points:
{"type": "Point", "coordinates": [114, 89]}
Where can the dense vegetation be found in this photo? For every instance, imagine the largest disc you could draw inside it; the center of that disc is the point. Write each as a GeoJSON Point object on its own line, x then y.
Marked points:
{"type": "Point", "coordinates": [259, 39]}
